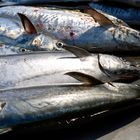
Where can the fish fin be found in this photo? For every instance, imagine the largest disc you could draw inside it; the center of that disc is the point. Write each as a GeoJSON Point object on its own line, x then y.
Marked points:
{"type": "Point", "coordinates": [2, 105]}
{"type": "Point", "coordinates": [27, 24]}
{"type": "Point", "coordinates": [101, 67]}
{"type": "Point", "coordinates": [87, 79]}
{"type": "Point", "coordinates": [5, 130]}
{"type": "Point", "coordinates": [98, 17]}
{"type": "Point", "coordinates": [79, 52]}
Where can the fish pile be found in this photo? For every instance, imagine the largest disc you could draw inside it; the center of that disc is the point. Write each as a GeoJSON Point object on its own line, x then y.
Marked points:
{"type": "Point", "coordinates": [60, 62]}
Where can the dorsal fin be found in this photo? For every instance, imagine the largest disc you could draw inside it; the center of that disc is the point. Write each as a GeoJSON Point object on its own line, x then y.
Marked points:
{"type": "Point", "coordinates": [27, 24]}
{"type": "Point", "coordinates": [79, 52]}
{"type": "Point", "coordinates": [86, 79]}
{"type": "Point", "coordinates": [98, 17]}
{"type": "Point", "coordinates": [2, 104]}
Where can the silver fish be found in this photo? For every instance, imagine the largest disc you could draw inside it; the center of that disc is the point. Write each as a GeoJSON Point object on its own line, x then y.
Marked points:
{"type": "Point", "coordinates": [43, 1]}
{"type": "Point", "coordinates": [19, 68]}
{"type": "Point", "coordinates": [23, 38]}
{"type": "Point", "coordinates": [12, 50]}
{"type": "Point", "coordinates": [80, 29]}
{"type": "Point", "coordinates": [130, 15]}
{"type": "Point", "coordinates": [34, 104]}
{"type": "Point", "coordinates": [135, 3]}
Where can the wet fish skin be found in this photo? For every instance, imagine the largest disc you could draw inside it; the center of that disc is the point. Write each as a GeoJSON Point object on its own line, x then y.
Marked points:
{"type": "Point", "coordinates": [20, 68]}
{"type": "Point", "coordinates": [76, 28]}
{"type": "Point", "coordinates": [13, 34]}
{"type": "Point", "coordinates": [28, 105]}
{"type": "Point", "coordinates": [135, 3]}
{"type": "Point", "coordinates": [12, 50]}
{"type": "Point", "coordinates": [130, 15]}
{"type": "Point", "coordinates": [43, 1]}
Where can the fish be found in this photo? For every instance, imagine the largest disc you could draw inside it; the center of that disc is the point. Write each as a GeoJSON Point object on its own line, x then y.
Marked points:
{"type": "Point", "coordinates": [12, 50]}
{"type": "Point", "coordinates": [83, 29]}
{"type": "Point", "coordinates": [135, 3]}
{"type": "Point", "coordinates": [130, 15]}
{"type": "Point", "coordinates": [34, 104]}
{"type": "Point", "coordinates": [15, 69]}
{"type": "Point", "coordinates": [23, 37]}
{"type": "Point", "coordinates": [42, 2]}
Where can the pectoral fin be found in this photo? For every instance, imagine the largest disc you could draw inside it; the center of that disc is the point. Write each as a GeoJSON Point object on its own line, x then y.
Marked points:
{"type": "Point", "coordinates": [79, 52]}
{"type": "Point", "coordinates": [98, 17]}
{"type": "Point", "coordinates": [86, 79]}
{"type": "Point", "coordinates": [27, 24]}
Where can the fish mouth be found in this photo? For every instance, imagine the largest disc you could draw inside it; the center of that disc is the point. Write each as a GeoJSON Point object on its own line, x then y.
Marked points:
{"type": "Point", "coordinates": [2, 105]}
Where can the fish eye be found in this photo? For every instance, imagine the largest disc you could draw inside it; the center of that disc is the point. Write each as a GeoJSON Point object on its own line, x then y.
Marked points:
{"type": "Point", "coordinates": [36, 42]}
{"type": "Point", "coordinates": [59, 44]}
{"type": "Point", "coordinates": [23, 50]}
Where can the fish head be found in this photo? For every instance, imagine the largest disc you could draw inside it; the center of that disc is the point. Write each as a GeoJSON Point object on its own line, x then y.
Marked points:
{"type": "Point", "coordinates": [9, 50]}
{"type": "Point", "coordinates": [35, 40]}
{"type": "Point", "coordinates": [46, 42]}
{"type": "Point", "coordinates": [128, 38]}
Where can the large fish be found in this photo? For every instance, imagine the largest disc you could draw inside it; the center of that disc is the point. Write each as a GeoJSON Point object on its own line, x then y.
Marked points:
{"type": "Point", "coordinates": [88, 30]}
{"type": "Point", "coordinates": [135, 3]}
{"type": "Point", "coordinates": [20, 68]}
{"type": "Point", "coordinates": [47, 103]}
{"type": "Point", "coordinates": [130, 15]}
{"type": "Point", "coordinates": [17, 38]}
{"type": "Point", "coordinates": [43, 1]}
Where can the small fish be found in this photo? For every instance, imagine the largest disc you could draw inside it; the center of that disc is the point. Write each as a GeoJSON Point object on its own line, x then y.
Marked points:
{"type": "Point", "coordinates": [135, 3]}
{"type": "Point", "coordinates": [23, 38]}
{"type": "Point", "coordinates": [28, 105]}
{"type": "Point", "coordinates": [16, 69]}
{"type": "Point", "coordinates": [130, 15]}
{"type": "Point", "coordinates": [88, 29]}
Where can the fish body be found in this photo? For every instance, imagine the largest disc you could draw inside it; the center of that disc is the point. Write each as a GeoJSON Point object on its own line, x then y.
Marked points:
{"type": "Point", "coordinates": [43, 1]}
{"type": "Point", "coordinates": [130, 15]}
{"type": "Point", "coordinates": [76, 28]}
{"type": "Point", "coordinates": [135, 3]}
{"type": "Point", "coordinates": [27, 105]}
{"type": "Point", "coordinates": [19, 68]}
{"type": "Point", "coordinates": [15, 39]}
